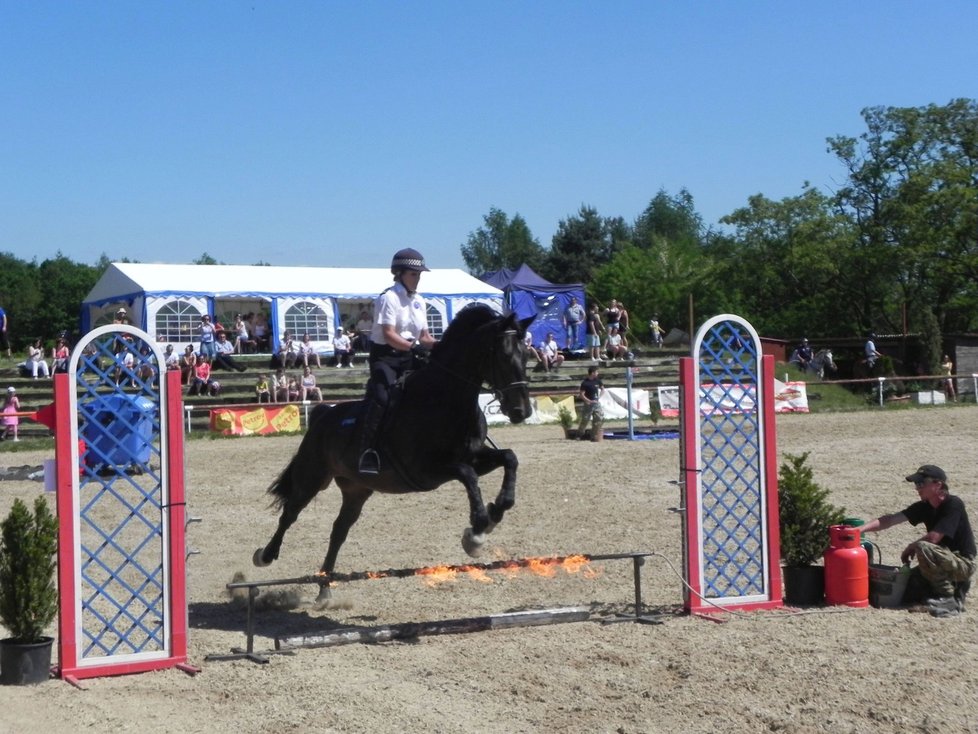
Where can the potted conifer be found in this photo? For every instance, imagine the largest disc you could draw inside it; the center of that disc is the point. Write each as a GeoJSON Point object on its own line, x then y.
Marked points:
{"type": "Point", "coordinates": [28, 594]}
{"type": "Point", "coordinates": [566, 418]}
{"type": "Point", "coordinates": [805, 517]}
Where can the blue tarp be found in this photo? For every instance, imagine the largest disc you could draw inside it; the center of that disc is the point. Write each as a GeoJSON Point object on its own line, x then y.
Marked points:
{"type": "Point", "coordinates": [527, 294]}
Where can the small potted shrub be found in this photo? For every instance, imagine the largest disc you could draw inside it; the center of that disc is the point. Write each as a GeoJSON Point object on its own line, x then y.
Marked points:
{"type": "Point", "coordinates": [28, 594]}
{"type": "Point", "coordinates": [805, 517]}
{"type": "Point", "coordinates": [566, 418]}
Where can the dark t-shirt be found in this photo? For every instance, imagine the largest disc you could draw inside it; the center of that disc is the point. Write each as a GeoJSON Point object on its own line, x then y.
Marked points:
{"type": "Point", "coordinates": [949, 518]}
{"type": "Point", "coordinates": [591, 387]}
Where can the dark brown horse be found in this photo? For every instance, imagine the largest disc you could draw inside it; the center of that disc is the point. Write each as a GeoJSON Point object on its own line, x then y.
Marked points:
{"type": "Point", "coordinates": [435, 432]}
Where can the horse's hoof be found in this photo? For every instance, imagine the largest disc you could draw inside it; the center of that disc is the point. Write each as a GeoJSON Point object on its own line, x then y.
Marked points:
{"type": "Point", "coordinates": [473, 544]}
{"type": "Point", "coordinates": [325, 595]}
{"type": "Point", "coordinates": [258, 560]}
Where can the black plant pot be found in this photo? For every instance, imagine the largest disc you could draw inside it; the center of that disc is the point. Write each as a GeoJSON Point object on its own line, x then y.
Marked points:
{"type": "Point", "coordinates": [804, 586]}
{"type": "Point", "coordinates": [24, 663]}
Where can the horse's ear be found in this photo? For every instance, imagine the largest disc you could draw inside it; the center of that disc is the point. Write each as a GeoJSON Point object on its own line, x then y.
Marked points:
{"type": "Point", "coordinates": [525, 323]}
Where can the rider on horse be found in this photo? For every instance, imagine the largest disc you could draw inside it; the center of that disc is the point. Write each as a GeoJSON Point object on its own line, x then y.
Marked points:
{"type": "Point", "coordinates": [804, 354]}
{"type": "Point", "coordinates": [398, 341]}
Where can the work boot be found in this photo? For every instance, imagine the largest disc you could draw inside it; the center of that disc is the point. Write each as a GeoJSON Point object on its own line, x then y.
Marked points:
{"type": "Point", "coordinates": [961, 589]}
{"type": "Point", "coordinates": [943, 606]}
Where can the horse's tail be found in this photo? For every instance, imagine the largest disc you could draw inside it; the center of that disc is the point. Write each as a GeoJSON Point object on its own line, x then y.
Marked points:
{"type": "Point", "coordinates": [281, 488]}
{"type": "Point", "coordinates": [307, 466]}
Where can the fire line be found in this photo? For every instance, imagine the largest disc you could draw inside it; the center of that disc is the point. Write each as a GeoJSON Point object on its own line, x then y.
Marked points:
{"type": "Point", "coordinates": [542, 565]}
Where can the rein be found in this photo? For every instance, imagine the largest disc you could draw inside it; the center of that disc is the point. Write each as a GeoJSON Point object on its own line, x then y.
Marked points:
{"type": "Point", "coordinates": [493, 381]}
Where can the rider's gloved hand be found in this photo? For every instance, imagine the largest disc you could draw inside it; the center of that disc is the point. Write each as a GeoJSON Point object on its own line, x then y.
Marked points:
{"type": "Point", "coordinates": [419, 352]}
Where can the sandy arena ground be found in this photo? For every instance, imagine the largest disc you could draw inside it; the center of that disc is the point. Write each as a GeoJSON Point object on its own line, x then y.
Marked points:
{"type": "Point", "coordinates": [822, 670]}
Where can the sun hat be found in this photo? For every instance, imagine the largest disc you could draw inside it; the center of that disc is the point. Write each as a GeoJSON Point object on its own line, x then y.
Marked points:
{"type": "Point", "coordinates": [928, 471]}
{"type": "Point", "coordinates": [11, 389]}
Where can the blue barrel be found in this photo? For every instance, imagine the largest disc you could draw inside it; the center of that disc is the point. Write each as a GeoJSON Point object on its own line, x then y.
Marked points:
{"type": "Point", "coordinates": [118, 431]}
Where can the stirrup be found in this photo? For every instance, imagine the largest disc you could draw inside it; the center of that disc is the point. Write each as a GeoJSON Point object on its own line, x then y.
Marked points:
{"type": "Point", "coordinates": [369, 462]}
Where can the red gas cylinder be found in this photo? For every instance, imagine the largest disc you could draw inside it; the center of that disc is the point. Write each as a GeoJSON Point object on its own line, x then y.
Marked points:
{"type": "Point", "coordinates": [846, 568]}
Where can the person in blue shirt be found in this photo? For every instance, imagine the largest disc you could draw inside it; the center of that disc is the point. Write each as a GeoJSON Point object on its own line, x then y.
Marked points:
{"type": "Point", "coordinates": [4, 340]}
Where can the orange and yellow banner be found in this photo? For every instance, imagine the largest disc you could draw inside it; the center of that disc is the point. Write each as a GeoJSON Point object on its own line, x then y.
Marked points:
{"type": "Point", "coordinates": [246, 422]}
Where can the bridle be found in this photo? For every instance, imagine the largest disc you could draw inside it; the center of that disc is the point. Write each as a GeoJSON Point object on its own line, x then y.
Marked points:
{"type": "Point", "coordinates": [494, 383]}
{"type": "Point", "coordinates": [494, 380]}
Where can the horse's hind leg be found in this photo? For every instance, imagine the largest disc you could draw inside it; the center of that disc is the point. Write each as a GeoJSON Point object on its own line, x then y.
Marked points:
{"type": "Point", "coordinates": [296, 491]}
{"type": "Point", "coordinates": [354, 497]}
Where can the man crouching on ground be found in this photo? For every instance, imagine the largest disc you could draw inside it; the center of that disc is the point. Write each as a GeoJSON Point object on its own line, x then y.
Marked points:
{"type": "Point", "coordinates": [946, 552]}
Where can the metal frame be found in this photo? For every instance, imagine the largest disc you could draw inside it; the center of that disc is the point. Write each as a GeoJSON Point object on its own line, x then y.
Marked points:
{"type": "Point", "coordinates": [253, 587]}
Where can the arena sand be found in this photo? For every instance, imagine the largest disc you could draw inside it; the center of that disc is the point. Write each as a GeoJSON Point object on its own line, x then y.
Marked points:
{"type": "Point", "coordinates": [824, 670]}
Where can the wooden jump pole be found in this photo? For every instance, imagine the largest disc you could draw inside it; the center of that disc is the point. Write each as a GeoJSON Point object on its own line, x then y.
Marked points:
{"type": "Point", "coordinates": [412, 630]}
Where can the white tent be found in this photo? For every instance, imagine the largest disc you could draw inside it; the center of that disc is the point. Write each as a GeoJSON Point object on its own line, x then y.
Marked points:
{"type": "Point", "coordinates": [167, 300]}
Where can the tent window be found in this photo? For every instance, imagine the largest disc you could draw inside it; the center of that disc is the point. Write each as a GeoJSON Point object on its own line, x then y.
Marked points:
{"type": "Point", "coordinates": [436, 325]}
{"type": "Point", "coordinates": [308, 318]}
{"type": "Point", "coordinates": [176, 322]}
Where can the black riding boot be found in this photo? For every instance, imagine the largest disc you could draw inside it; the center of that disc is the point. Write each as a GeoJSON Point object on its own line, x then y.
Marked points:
{"type": "Point", "coordinates": [369, 459]}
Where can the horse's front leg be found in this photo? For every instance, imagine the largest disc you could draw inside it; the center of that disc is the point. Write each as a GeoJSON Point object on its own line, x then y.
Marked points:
{"type": "Point", "coordinates": [474, 536]}
{"type": "Point", "coordinates": [488, 460]}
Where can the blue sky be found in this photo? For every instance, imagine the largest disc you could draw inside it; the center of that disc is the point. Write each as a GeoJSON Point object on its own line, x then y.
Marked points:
{"type": "Point", "coordinates": [333, 133]}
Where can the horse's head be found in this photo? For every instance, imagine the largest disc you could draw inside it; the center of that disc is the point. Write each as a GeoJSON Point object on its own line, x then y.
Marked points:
{"type": "Point", "coordinates": [827, 358]}
{"type": "Point", "coordinates": [481, 347]}
{"type": "Point", "coordinates": [506, 368]}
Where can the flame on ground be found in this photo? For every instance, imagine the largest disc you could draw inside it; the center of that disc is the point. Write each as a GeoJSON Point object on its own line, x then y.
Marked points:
{"type": "Point", "coordinates": [546, 566]}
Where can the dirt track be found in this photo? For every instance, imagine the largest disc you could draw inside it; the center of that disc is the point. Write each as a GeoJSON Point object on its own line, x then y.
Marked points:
{"type": "Point", "coordinates": [833, 670]}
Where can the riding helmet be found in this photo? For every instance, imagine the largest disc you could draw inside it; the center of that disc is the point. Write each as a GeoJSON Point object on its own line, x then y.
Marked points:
{"type": "Point", "coordinates": [408, 259]}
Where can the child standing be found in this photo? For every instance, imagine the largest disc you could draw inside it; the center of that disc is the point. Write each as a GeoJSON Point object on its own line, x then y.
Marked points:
{"type": "Point", "coordinates": [11, 406]}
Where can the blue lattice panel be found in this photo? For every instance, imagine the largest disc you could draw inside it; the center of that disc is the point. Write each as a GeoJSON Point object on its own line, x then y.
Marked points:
{"type": "Point", "coordinates": [727, 536]}
{"type": "Point", "coordinates": [121, 550]}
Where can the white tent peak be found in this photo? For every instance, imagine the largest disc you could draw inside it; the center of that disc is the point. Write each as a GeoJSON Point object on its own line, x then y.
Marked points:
{"type": "Point", "coordinates": [167, 300]}
{"type": "Point", "coordinates": [122, 279]}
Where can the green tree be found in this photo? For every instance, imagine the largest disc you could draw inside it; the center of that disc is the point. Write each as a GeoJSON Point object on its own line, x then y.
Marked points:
{"type": "Point", "coordinates": [581, 245]}
{"type": "Point", "coordinates": [20, 298]}
{"type": "Point", "coordinates": [912, 194]}
{"type": "Point", "coordinates": [669, 218]}
{"type": "Point", "coordinates": [63, 285]}
{"type": "Point", "coordinates": [931, 343]}
{"type": "Point", "coordinates": [785, 266]}
{"type": "Point", "coordinates": [660, 266]}
{"type": "Point", "coordinates": [501, 243]}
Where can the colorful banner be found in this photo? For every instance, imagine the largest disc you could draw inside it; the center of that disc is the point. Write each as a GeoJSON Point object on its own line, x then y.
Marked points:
{"type": "Point", "coordinates": [789, 397]}
{"type": "Point", "coordinates": [246, 422]}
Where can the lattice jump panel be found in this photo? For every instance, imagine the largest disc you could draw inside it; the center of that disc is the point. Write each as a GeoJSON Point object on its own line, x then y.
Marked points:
{"type": "Point", "coordinates": [731, 495]}
{"type": "Point", "coordinates": [120, 498]}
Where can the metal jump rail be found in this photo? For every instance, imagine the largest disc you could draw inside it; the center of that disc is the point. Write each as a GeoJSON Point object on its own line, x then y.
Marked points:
{"type": "Point", "coordinates": [411, 630]}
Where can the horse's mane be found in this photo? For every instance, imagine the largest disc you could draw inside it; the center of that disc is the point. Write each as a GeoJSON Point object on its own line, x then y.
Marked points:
{"type": "Point", "coordinates": [466, 321]}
